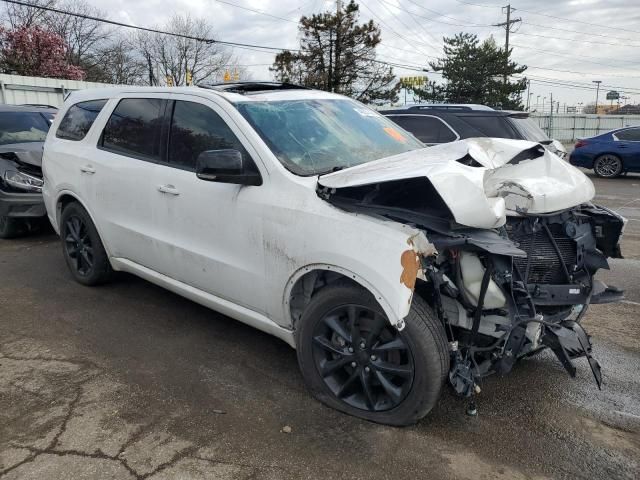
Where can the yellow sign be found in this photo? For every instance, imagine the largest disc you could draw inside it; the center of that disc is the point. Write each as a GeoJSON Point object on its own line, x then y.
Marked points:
{"type": "Point", "coordinates": [418, 81]}
{"type": "Point", "coordinates": [227, 76]}
{"type": "Point", "coordinates": [189, 77]}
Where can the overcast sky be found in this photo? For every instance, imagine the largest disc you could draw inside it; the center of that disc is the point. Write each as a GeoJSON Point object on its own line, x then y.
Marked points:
{"type": "Point", "coordinates": [601, 42]}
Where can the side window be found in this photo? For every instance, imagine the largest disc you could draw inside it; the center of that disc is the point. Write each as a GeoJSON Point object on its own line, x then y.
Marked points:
{"type": "Point", "coordinates": [491, 126]}
{"type": "Point", "coordinates": [196, 128]}
{"type": "Point", "coordinates": [425, 128]}
{"type": "Point", "coordinates": [134, 127]}
{"type": "Point", "coordinates": [632, 135]}
{"type": "Point", "coordinates": [78, 120]}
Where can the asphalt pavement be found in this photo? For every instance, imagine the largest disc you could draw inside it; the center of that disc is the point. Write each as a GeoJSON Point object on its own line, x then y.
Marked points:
{"type": "Point", "coordinates": [128, 380]}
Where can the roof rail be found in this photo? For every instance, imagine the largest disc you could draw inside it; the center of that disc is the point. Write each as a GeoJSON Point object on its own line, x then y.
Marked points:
{"type": "Point", "coordinates": [251, 87]}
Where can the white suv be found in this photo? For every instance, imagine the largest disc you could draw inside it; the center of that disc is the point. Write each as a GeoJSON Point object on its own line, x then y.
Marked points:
{"type": "Point", "coordinates": [389, 267]}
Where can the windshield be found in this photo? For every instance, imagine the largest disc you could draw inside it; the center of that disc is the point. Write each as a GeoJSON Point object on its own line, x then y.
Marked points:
{"type": "Point", "coordinates": [529, 129]}
{"type": "Point", "coordinates": [312, 137]}
{"type": "Point", "coordinates": [22, 127]}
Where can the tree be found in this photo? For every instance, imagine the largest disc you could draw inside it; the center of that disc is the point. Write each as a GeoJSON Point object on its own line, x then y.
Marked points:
{"type": "Point", "coordinates": [173, 56]}
{"type": "Point", "coordinates": [85, 38]}
{"type": "Point", "coordinates": [118, 62]}
{"type": "Point", "coordinates": [35, 52]}
{"type": "Point", "coordinates": [338, 54]}
{"type": "Point", "coordinates": [17, 16]}
{"type": "Point", "coordinates": [473, 73]}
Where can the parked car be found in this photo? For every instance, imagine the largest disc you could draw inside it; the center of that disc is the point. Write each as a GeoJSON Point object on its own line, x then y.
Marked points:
{"type": "Point", "coordinates": [610, 154]}
{"type": "Point", "coordinates": [441, 123]}
{"type": "Point", "coordinates": [390, 267]}
{"type": "Point", "coordinates": [22, 133]}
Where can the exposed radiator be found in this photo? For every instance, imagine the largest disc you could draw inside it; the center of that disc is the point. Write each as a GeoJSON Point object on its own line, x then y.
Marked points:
{"type": "Point", "coordinates": [545, 265]}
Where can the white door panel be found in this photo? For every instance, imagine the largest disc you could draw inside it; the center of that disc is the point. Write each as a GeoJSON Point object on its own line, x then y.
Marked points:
{"type": "Point", "coordinates": [210, 236]}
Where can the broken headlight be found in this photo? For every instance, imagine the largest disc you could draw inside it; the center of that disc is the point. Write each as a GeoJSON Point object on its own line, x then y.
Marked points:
{"type": "Point", "coordinates": [23, 181]}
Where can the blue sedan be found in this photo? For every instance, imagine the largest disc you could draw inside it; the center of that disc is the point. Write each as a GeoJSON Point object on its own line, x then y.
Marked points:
{"type": "Point", "coordinates": [609, 154]}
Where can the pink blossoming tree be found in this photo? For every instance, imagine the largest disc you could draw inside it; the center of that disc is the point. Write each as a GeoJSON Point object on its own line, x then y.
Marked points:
{"type": "Point", "coordinates": [37, 52]}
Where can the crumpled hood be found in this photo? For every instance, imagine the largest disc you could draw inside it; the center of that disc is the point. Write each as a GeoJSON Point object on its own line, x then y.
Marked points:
{"type": "Point", "coordinates": [480, 179]}
{"type": "Point", "coordinates": [28, 152]}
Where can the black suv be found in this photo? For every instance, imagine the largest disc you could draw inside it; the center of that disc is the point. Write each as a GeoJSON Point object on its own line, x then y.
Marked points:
{"type": "Point", "coordinates": [442, 123]}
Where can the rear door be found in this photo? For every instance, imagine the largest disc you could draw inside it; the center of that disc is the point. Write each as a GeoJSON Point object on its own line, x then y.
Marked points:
{"type": "Point", "coordinates": [124, 166]}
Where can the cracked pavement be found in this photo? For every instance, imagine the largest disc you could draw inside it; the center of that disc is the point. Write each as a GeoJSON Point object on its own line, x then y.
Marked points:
{"type": "Point", "coordinates": [130, 381]}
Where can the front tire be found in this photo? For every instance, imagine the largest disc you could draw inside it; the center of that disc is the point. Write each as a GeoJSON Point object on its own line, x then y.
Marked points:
{"type": "Point", "coordinates": [352, 359]}
{"type": "Point", "coordinates": [82, 248]}
{"type": "Point", "coordinates": [608, 166]}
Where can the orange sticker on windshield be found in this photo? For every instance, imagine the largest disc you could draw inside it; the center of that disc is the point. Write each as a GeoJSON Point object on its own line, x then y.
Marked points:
{"type": "Point", "coordinates": [396, 135]}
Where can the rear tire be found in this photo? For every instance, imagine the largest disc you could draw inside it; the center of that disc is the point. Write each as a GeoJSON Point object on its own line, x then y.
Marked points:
{"type": "Point", "coordinates": [11, 227]}
{"type": "Point", "coordinates": [82, 248]}
{"type": "Point", "coordinates": [608, 166]}
{"type": "Point", "coordinates": [396, 377]}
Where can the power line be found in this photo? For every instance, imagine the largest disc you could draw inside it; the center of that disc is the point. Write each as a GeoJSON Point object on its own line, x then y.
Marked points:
{"type": "Point", "coordinates": [479, 4]}
{"type": "Point", "coordinates": [256, 11]}
{"type": "Point", "coordinates": [574, 40]}
{"type": "Point", "coordinates": [580, 21]}
{"type": "Point", "coordinates": [549, 52]}
{"type": "Point", "coordinates": [144, 29]}
{"type": "Point", "coordinates": [446, 16]}
{"type": "Point", "coordinates": [411, 44]}
{"type": "Point", "coordinates": [591, 34]}
{"type": "Point", "coordinates": [259, 48]}
{"type": "Point", "coordinates": [437, 21]}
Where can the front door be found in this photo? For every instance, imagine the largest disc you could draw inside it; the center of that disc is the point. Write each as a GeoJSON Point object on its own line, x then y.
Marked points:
{"type": "Point", "coordinates": [210, 234]}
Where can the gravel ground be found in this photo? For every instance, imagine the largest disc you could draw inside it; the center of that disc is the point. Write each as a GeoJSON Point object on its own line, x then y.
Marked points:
{"type": "Point", "coordinates": [130, 381]}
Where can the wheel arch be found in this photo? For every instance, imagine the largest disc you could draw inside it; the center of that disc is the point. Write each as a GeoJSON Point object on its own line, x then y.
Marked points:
{"type": "Point", "coordinates": [310, 279]}
{"type": "Point", "coordinates": [64, 198]}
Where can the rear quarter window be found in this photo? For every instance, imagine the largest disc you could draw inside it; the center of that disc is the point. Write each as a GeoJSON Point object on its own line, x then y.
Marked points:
{"type": "Point", "coordinates": [78, 120]}
{"type": "Point", "coordinates": [426, 128]}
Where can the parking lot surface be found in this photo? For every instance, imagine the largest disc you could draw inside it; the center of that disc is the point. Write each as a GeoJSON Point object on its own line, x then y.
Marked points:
{"type": "Point", "coordinates": [130, 381]}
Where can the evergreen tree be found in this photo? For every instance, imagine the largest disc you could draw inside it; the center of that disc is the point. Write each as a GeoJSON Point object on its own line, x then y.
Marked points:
{"type": "Point", "coordinates": [473, 72]}
{"type": "Point", "coordinates": [338, 54]}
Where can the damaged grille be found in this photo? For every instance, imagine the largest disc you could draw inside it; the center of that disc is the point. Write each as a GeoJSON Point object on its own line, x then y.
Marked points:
{"type": "Point", "coordinates": [544, 263]}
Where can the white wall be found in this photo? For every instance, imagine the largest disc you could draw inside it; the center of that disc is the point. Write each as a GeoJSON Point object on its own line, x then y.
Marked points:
{"type": "Point", "coordinates": [569, 127]}
{"type": "Point", "coordinates": [17, 89]}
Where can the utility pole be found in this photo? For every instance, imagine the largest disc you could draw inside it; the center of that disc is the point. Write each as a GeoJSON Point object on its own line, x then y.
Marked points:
{"type": "Point", "coordinates": [528, 93]}
{"type": "Point", "coordinates": [550, 117]}
{"type": "Point", "coordinates": [507, 27]}
{"type": "Point", "coordinates": [337, 73]}
{"type": "Point", "coordinates": [597, 82]}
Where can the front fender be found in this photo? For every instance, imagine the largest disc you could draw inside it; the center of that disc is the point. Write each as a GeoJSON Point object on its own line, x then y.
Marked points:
{"type": "Point", "coordinates": [390, 278]}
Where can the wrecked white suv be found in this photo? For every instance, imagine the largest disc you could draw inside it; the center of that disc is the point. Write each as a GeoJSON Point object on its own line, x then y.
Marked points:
{"type": "Point", "coordinates": [390, 267]}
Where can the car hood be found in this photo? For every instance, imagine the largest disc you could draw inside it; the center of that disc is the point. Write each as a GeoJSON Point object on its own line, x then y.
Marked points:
{"type": "Point", "coordinates": [29, 152]}
{"type": "Point", "coordinates": [481, 180]}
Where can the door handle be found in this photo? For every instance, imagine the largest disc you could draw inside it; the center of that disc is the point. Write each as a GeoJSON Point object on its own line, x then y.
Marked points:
{"type": "Point", "coordinates": [170, 189]}
{"type": "Point", "coordinates": [88, 169]}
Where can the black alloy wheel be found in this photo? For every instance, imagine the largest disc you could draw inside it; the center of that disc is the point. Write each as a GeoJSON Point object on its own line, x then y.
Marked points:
{"type": "Point", "coordinates": [362, 359]}
{"type": "Point", "coordinates": [83, 251]}
{"type": "Point", "coordinates": [608, 166]}
{"type": "Point", "coordinates": [78, 245]}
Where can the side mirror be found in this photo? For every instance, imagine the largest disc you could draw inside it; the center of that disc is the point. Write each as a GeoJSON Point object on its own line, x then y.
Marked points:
{"type": "Point", "coordinates": [225, 166]}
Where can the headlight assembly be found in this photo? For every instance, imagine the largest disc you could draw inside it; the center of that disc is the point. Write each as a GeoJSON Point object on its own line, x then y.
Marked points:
{"type": "Point", "coordinates": [23, 181]}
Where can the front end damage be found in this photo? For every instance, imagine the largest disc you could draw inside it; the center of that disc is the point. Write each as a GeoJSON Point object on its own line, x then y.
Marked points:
{"type": "Point", "coordinates": [516, 278]}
